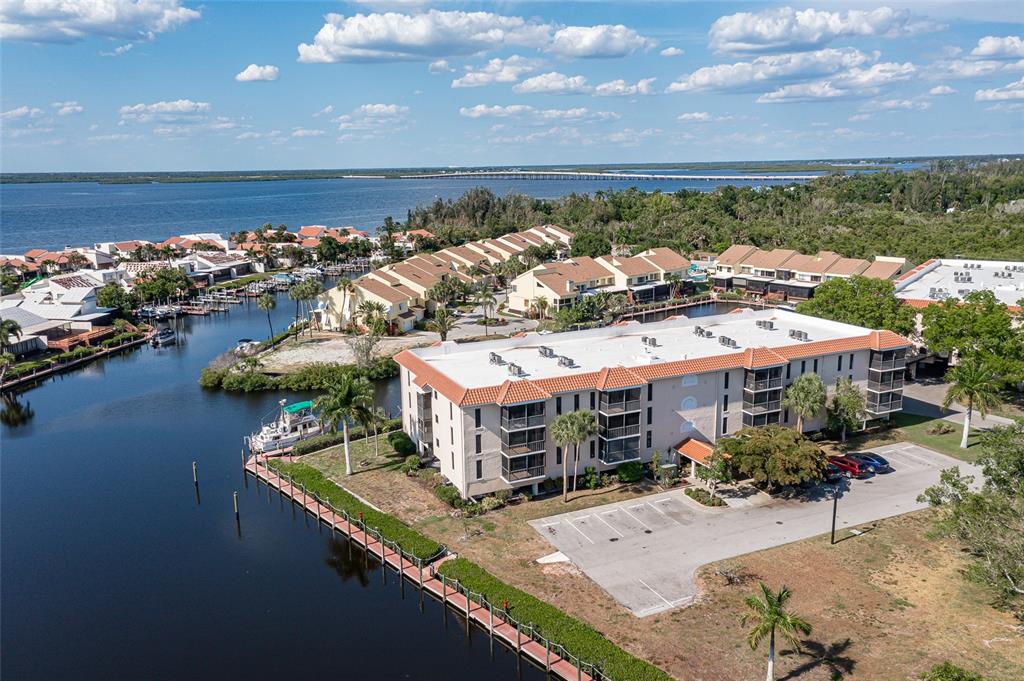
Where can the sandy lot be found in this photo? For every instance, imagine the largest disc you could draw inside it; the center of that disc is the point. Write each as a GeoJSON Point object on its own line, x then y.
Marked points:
{"type": "Point", "coordinates": [331, 347]}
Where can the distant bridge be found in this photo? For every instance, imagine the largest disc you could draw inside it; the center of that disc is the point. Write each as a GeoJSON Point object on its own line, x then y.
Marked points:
{"type": "Point", "coordinates": [577, 175]}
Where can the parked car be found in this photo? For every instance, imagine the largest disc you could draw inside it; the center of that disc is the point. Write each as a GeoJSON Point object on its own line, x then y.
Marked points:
{"type": "Point", "coordinates": [852, 468]}
{"type": "Point", "coordinates": [833, 473]}
{"type": "Point", "coordinates": [880, 463]}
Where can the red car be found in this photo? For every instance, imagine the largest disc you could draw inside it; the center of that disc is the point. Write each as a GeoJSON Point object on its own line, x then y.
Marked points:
{"type": "Point", "coordinates": [852, 468]}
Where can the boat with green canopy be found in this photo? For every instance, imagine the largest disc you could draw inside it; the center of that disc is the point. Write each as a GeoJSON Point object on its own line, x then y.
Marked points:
{"type": "Point", "coordinates": [294, 422]}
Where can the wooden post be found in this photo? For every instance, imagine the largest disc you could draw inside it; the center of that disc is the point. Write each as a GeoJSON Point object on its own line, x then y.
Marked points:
{"type": "Point", "coordinates": [195, 475]}
{"type": "Point", "coordinates": [579, 669]}
{"type": "Point", "coordinates": [236, 504]}
{"type": "Point", "coordinates": [303, 497]}
{"type": "Point", "coordinates": [517, 638]}
{"type": "Point", "coordinates": [444, 600]}
{"type": "Point", "coordinates": [547, 655]}
{"type": "Point", "coordinates": [316, 500]}
{"type": "Point", "coordinates": [401, 573]}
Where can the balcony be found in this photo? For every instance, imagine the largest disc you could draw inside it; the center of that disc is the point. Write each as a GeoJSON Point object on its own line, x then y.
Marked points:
{"type": "Point", "coordinates": [516, 470]}
{"type": "Point", "coordinates": [620, 407]}
{"type": "Point", "coordinates": [522, 448]}
{"type": "Point", "coordinates": [887, 364]}
{"type": "Point", "coordinates": [764, 419]}
{"type": "Point", "coordinates": [893, 383]}
{"type": "Point", "coordinates": [762, 407]}
{"type": "Point", "coordinates": [619, 451]}
{"type": "Point", "coordinates": [522, 422]}
{"type": "Point", "coordinates": [885, 407]}
{"type": "Point", "coordinates": [612, 433]}
{"type": "Point", "coordinates": [762, 384]}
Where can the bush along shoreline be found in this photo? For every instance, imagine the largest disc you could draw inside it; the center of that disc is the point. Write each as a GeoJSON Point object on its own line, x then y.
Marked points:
{"type": "Point", "coordinates": [316, 376]}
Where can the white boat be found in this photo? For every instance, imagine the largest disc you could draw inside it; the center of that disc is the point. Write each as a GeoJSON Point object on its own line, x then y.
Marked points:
{"type": "Point", "coordinates": [164, 337]}
{"type": "Point", "coordinates": [294, 423]}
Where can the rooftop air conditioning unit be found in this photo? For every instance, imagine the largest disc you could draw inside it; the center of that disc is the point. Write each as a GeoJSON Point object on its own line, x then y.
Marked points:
{"type": "Point", "coordinates": [652, 341]}
{"type": "Point", "coordinates": [733, 343]}
{"type": "Point", "coordinates": [793, 332]}
{"type": "Point", "coordinates": [545, 351]}
{"type": "Point", "coordinates": [709, 334]}
{"type": "Point", "coordinates": [723, 340]}
{"type": "Point", "coordinates": [495, 358]}
{"type": "Point", "coordinates": [515, 369]}
{"type": "Point", "coordinates": [564, 361]}
{"type": "Point", "coordinates": [698, 331]}
{"type": "Point", "coordinates": [769, 325]}
{"type": "Point", "coordinates": [643, 339]}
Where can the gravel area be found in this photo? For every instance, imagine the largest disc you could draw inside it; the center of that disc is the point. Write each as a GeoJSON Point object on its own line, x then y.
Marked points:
{"type": "Point", "coordinates": [331, 347]}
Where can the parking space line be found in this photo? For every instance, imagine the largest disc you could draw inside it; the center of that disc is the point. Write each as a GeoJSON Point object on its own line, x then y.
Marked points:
{"type": "Point", "coordinates": [609, 524]}
{"type": "Point", "coordinates": [557, 522]}
{"type": "Point", "coordinates": [573, 526]}
{"type": "Point", "coordinates": [663, 513]}
{"type": "Point", "coordinates": [636, 519]}
{"type": "Point", "coordinates": [667, 601]}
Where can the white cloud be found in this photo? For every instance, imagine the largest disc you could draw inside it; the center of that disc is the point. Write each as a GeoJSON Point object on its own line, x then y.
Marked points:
{"type": "Point", "coordinates": [67, 108]}
{"type": "Point", "coordinates": [272, 136]}
{"type": "Point", "coordinates": [787, 29]}
{"type": "Point", "coordinates": [604, 40]}
{"type": "Point", "coordinates": [1012, 107]}
{"type": "Point", "coordinates": [803, 92]}
{"type": "Point", "coordinates": [940, 90]}
{"type": "Point", "coordinates": [854, 82]}
{"type": "Point", "coordinates": [440, 66]}
{"type": "Point", "coordinates": [307, 132]}
{"type": "Point", "coordinates": [765, 69]}
{"type": "Point", "coordinates": [856, 118]}
{"type": "Point", "coordinates": [898, 105]}
{"type": "Point", "coordinates": [372, 121]}
{"type": "Point", "coordinates": [118, 51]}
{"type": "Point", "coordinates": [63, 21]}
{"type": "Point", "coordinates": [21, 112]}
{"type": "Point", "coordinates": [114, 137]}
{"type": "Point", "coordinates": [497, 71]}
{"type": "Point", "coordinates": [971, 68]}
{"type": "Point", "coordinates": [1014, 90]}
{"type": "Point", "coordinates": [324, 111]}
{"type": "Point", "coordinates": [428, 36]}
{"type": "Point", "coordinates": [553, 83]}
{"type": "Point", "coordinates": [181, 109]}
{"type": "Point", "coordinates": [672, 52]}
{"type": "Point", "coordinates": [699, 116]}
{"type": "Point", "coordinates": [528, 114]}
{"type": "Point", "coordinates": [630, 137]}
{"type": "Point", "coordinates": [992, 47]}
{"type": "Point", "coordinates": [254, 72]}
{"type": "Point", "coordinates": [621, 88]}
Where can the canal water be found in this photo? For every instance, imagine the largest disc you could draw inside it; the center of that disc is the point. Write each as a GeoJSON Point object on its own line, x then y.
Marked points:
{"type": "Point", "coordinates": [115, 566]}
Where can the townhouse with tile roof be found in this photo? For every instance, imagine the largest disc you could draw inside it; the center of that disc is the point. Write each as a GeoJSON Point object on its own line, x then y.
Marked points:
{"type": "Point", "coordinates": [484, 410]}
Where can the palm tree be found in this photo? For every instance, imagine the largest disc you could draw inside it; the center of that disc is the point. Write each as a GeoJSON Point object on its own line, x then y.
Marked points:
{"type": "Point", "coordinates": [585, 428]}
{"type": "Point", "coordinates": [295, 292]}
{"type": "Point", "coordinates": [675, 281]}
{"type": "Point", "coordinates": [345, 401]}
{"type": "Point", "coordinates": [267, 302]}
{"type": "Point", "coordinates": [372, 312]}
{"type": "Point", "coordinates": [8, 329]}
{"type": "Point", "coordinates": [311, 290]}
{"type": "Point", "coordinates": [377, 417]}
{"type": "Point", "coordinates": [347, 289]}
{"type": "Point", "coordinates": [616, 304]}
{"type": "Point", "coordinates": [442, 323]}
{"type": "Point", "coordinates": [768, 612]}
{"type": "Point", "coordinates": [975, 385]}
{"type": "Point", "coordinates": [541, 303]}
{"type": "Point", "coordinates": [806, 397]}
{"type": "Point", "coordinates": [485, 299]}
{"type": "Point", "coordinates": [572, 428]}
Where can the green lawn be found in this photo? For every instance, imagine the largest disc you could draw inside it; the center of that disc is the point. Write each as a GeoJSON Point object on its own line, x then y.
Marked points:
{"type": "Point", "coordinates": [913, 428]}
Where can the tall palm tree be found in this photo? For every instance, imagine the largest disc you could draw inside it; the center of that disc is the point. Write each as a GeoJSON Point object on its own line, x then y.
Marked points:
{"type": "Point", "coordinates": [311, 291]}
{"type": "Point", "coordinates": [373, 314]}
{"type": "Point", "coordinates": [675, 281]}
{"type": "Point", "coordinates": [585, 427]}
{"type": "Point", "coordinates": [541, 303]}
{"type": "Point", "coordinates": [805, 397]}
{"type": "Point", "coordinates": [975, 385]}
{"type": "Point", "coordinates": [296, 293]}
{"type": "Point", "coordinates": [345, 401]}
{"type": "Point", "coordinates": [347, 288]}
{"type": "Point", "coordinates": [768, 612]}
{"type": "Point", "coordinates": [267, 302]}
{"type": "Point", "coordinates": [485, 299]}
{"type": "Point", "coordinates": [443, 323]}
{"type": "Point", "coordinates": [8, 329]}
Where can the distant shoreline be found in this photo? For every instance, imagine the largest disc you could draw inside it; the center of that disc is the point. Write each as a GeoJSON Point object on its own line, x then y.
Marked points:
{"type": "Point", "coordinates": [185, 177]}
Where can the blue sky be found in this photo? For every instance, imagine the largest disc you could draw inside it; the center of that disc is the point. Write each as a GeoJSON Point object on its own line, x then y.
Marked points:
{"type": "Point", "coordinates": [184, 85]}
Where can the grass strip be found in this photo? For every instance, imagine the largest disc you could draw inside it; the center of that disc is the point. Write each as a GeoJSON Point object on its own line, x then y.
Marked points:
{"type": "Point", "coordinates": [578, 638]}
{"type": "Point", "coordinates": [391, 528]}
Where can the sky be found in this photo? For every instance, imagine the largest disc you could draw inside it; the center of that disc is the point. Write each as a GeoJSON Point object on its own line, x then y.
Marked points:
{"type": "Point", "coordinates": [146, 85]}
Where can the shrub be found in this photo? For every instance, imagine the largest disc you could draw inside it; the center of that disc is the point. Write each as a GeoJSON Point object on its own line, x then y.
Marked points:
{"type": "Point", "coordinates": [631, 471]}
{"type": "Point", "coordinates": [471, 509]}
{"type": "Point", "coordinates": [411, 464]}
{"type": "Point", "coordinates": [577, 637]}
{"type": "Point", "coordinates": [947, 671]}
{"type": "Point", "coordinates": [401, 442]}
{"type": "Point", "coordinates": [591, 479]}
{"type": "Point", "coordinates": [450, 496]}
{"type": "Point", "coordinates": [503, 495]}
{"type": "Point", "coordinates": [940, 428]}
{"type": "Point", "coordinates": [491, 504]}
{"type": "Point", "coordinates": [704, 497]}
{"type": "Point", "coordinates": [246, 381]}
{"type": "Point", "coordinates": [391, 528]}
{"type": "Point", "coordinates": [315, 444]}
{"type": "Point", "coordinates": [607, 479]}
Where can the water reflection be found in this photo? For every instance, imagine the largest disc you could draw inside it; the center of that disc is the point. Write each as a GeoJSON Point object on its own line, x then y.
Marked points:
{"type": "Point", "coordinates": [348, 562]}
{"type": "Point", "coordinates": [14, 413]}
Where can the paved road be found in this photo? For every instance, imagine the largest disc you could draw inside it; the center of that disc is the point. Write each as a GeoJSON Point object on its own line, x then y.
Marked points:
{"type": "Point", "coordinates": [646, 552]}
{"type": "Point", "coordinates": [924, 398]}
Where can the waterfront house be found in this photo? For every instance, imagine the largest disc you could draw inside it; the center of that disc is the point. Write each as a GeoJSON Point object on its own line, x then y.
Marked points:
{"type": "Point", "coordinates": [70, 298]}
{"type": "Point", "coordinates": [484, 410]}
{"type": "Point", "coordinates": [561, 283]}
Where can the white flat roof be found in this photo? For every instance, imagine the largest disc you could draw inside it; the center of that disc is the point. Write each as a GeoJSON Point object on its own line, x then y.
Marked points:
{"type": "Point", "coordinates": [997, 276]}
{"type": "Point", "coordinates": [613, 346]}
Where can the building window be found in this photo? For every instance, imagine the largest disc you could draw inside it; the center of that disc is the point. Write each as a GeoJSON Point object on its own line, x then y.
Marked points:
{"type": "Point", "coordinates": [437, 419]}
{"type": "Point", "coordinates": [650, 392]}
{"type": "Point", "coordinates": [785, 416]}
{"type": "Point", "coordinates": [725, 403]}
{"type": "Point", "coordinates": [839, 364]}
{"type": "Point", "coordinates": [851, 361]}
{"type": "Point", "coordinates": [725, 424]}
{"type": "Point", "coordinates": [726, 384]}
{"type": "Point", "coordinates": [851, 378]}
{"type": "Point", "coordinates": [576, 402]}
{"type": "Point", "coordinates": [592, 443]}
{"type": "Point", "coordinates": [479, 469]}
{"type": "Point", "coordinates": [558, 405]}
{"type": "Point", "coordinates": [649, 415]}
{"type": "Point", "coordinates": [451, 434]}
{"type": "Point", "coordinates": [479, 444]}
{"type": "Point", "coordinates": [788, 367]}
{"type": "Point", "coordinates": [476, 418]}
{"type": "Point", "coordinates": [803, 367]}
{"type": "Point", "coordinates": [593, 401]}
{"type": "Point", "coordinates": [558, 456]}
{"type": "Point", "coordinates": [453, 459]}
{"type": "Point", "coordinates": [451, 414]}
{"type": "Point", "coordinates": [815, 365]}
{"type": "Point", "coordinates": [648, 438]}
{"type": "Point", "coordinates": [437, 441]}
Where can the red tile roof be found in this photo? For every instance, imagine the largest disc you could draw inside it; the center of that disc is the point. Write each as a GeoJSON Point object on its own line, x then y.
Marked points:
{"type": "Point", "coordinates": [695, 450]}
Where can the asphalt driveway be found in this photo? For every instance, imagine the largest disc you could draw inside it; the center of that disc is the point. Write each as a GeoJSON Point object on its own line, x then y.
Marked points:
{"type": "Point", "coordinates": [646, 552]}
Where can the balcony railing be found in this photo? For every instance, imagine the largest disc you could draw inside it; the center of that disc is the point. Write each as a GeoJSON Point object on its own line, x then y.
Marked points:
{"type": "Point", "coordinates": [620, 407]}
{"type": "Point", "coordinates": [522, 448]}
{"type": "Point", "coordinates": [764, 419]}
{"type": "Point", "coordinates": [620, 455]}
{"type": "Point", "coordinates": [762, 407]}
{"type": "Point", "coordinates": [619, 431]}
{"type": "Point", "coordinates": [522, 422]}
{"type": "Point", "coordinates": [513, 470]}
{"type": "Point", "coordinates": [885, 407]}
{"type": "Point", "coordinates": [896, 383]}
{"type": "Point", "coordinates": [762, 384]}
{"type": "Point", "coordinates": [888, 364]}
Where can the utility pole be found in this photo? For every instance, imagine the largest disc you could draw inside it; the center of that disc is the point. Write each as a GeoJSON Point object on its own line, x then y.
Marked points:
{"type": "Point", "coordinates": [835, 510]}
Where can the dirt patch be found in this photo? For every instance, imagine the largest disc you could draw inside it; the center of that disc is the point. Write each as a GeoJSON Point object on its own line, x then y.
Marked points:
{"type": "Point", "coordinates": [324, 346]}
{"type": "Point", "coordinates": [888, 604]}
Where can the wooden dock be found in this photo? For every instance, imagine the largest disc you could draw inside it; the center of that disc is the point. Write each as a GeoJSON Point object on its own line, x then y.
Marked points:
{"type": "Point", "coordinates": [473, 607]}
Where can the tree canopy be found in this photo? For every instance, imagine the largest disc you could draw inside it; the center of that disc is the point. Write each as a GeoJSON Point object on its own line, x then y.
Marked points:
{"type": "Point", "coordinates": [775, 455]}
{"type": "Point", "coordinates": [860, 301]}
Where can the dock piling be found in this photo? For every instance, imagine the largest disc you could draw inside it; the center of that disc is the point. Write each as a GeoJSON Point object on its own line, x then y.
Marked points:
{"type": "Point", "coordinates": [195, 473]}
{"type": "Point", "coordinates": [236, 504]}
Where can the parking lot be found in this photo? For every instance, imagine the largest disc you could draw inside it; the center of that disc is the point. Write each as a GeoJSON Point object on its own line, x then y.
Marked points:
{"type": "Point", "coordinates": [645, 552]}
